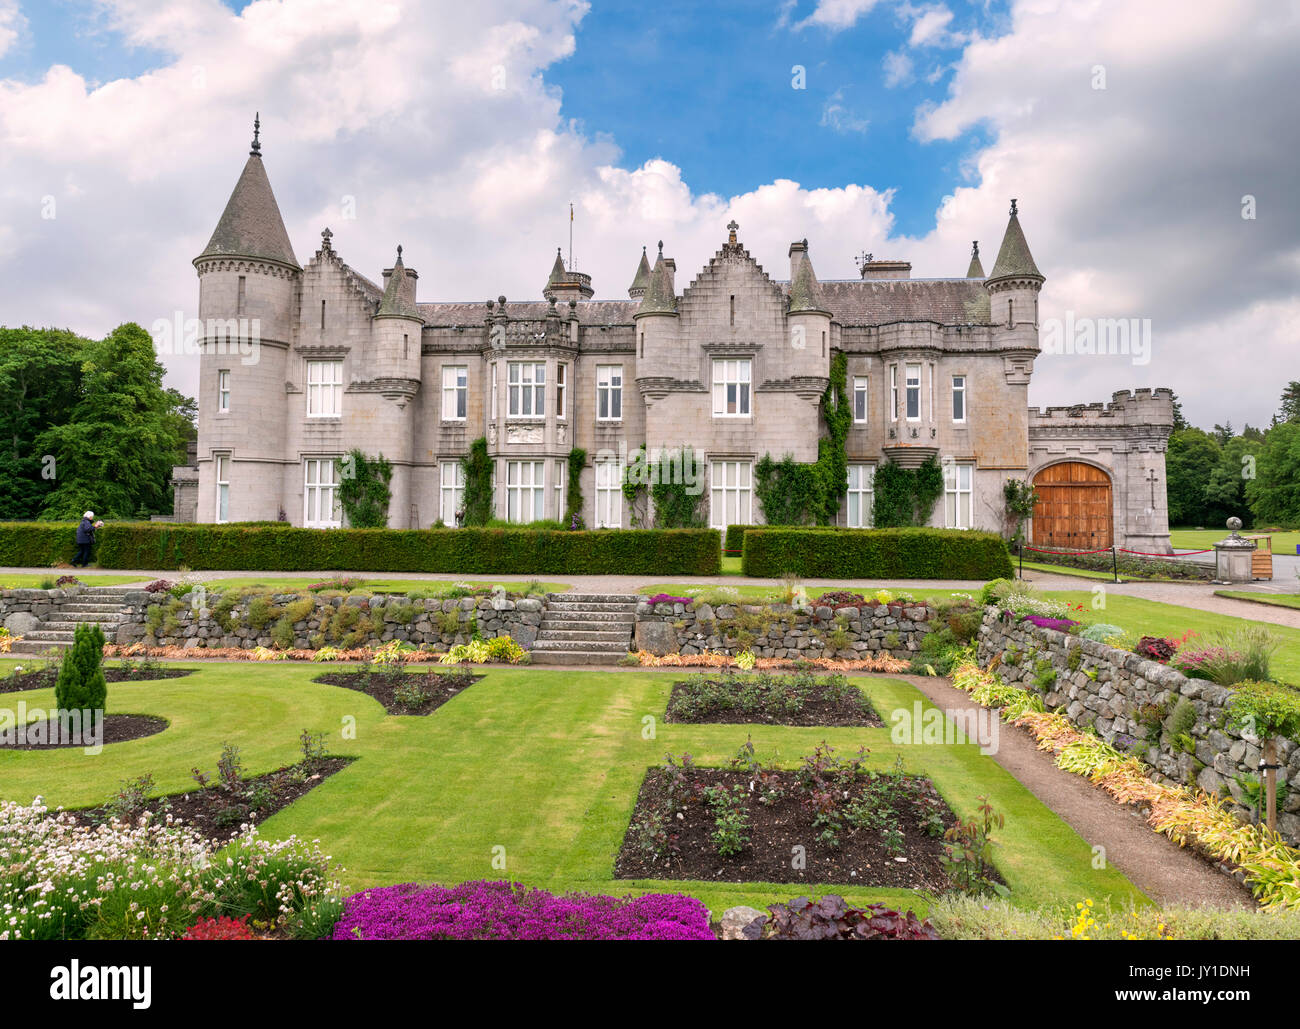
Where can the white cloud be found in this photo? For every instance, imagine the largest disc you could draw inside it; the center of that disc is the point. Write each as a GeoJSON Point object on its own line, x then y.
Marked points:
{"type": "Point", "coordinates": [837, 15]}
{"type": "Point", "coordinates": [930, 27]}
{"type": "Point", "coordinates": [12, 23]}
{"type": "Point", "coordinates": [898, 69]}
{"type": "Point", "coordinates": [837, 116]}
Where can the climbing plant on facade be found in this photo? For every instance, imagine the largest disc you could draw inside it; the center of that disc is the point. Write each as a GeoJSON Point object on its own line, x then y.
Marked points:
{"type": "Point", "coordinates": [906, 496]}
{"type": "Point", "coordinates": [672, 484]}
{"type": "Point", "coordinates": [365, 489]}
{"type": "Point", "coordinates": [792, 493]}
{"type": "Point", "coordinates": [573, 509]}
{"type": "Point", "coordinates": [477, 466]}
{"type": "Point", "coordinates": [1020, 497]}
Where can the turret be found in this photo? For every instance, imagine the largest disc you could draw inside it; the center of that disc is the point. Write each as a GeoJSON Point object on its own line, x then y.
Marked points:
{"type": "Point", "coordinates": [976, 269]}
{"type": "Point", "coordinates": [248, 282]}
{"type": "Point", "coordinates": [808, 321]}
{"type": "Point", "coordinates": [1014, 283]}
{"type": "Point", "coordinates": [396, 327]}
{"type": "Point", "coordinates": [656, 321]}
{"type": "Point", "coordinates": [566, 285]}
{"type": "Point", "coordinates": [640, 281]}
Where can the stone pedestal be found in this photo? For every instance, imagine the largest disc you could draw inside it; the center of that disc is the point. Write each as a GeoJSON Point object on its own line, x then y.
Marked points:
{"type": "Point", "coordinates": [1232, 556]}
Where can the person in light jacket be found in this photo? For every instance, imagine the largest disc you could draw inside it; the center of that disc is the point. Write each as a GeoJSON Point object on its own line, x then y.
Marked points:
{"type": "Point", "coordinates": [85, 539]}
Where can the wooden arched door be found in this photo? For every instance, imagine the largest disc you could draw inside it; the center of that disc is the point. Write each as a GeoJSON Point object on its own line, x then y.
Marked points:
{"type": "Point", "coordinates": [1074, 509]}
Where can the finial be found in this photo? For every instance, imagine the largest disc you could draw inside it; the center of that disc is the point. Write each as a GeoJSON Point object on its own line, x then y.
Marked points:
{"type": "Point", "coordinates": [325, 238]}
{"type": "Point", "coordinates": [974, 248]}
{"type": "Point", "coordinates": [257, 128]}
{"type": "Point", "coordinates": [399, 252]}
{"type": "Point", "coordinates": [731, 230]}
{"type": "Point", "coordinates": [1013, 207]}
{"type": "Point", "coordinates": [661, 248]}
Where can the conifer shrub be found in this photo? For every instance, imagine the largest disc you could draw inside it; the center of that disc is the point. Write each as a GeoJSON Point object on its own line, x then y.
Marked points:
{"type": "Point", "coordinates": [81, 684]}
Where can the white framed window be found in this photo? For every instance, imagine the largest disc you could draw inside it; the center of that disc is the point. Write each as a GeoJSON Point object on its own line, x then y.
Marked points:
{"type": "Point", "coordinates": [731, 499]}
{"type": "Point", "coordinates": [893, 392]}
{"type": "Point", "coordinates": [527, 384]}
{"type": "Point", "coordinates": [525, 490]}
{"type": "Point", "coordinates": [321, 509]}
{"type": "Point", "coordinates": [561, 486]}
{"type": "Point", "coordinates": [609, 392]}
{"type": "Point", "coordinates": [455, 392]}
{"type": "Point", "coordinates": [324, 389]}
{"type": "Point", "coordinates": [561, 384]}
{"type": "Point", "coordinates": [959, 399]}
{"type": "Point", "coordinates": [221, 463]}
{"type": "Point", "coordinates": [957, 495]}
{"type": "Point", "coordinates": [494, 391]}
{"type": "Point", "coordinates": [861, 497]}
{"type": "Point", "coordinates": [731, 388]}
{"type": "Point", "coordinates": [861, 389]}
{"type": "Point", "coordinates": [609, 495]}
{"type": "Point", "coordinates": [452, 491]}
{"type": "Point", "coordinates": [223, 391]}
{"type": "Point", "coordinates": [913, 392]}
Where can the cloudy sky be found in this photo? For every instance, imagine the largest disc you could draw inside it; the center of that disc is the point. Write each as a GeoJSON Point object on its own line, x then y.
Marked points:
{"type": "Point", "coordinates": [1152, 147]}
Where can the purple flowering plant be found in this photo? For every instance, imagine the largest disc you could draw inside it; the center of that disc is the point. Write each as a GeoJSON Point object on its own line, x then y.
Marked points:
{"type": "Point", "coordinates": [487, 910]}
{"type": "Point", "coordinates": [668, 598]}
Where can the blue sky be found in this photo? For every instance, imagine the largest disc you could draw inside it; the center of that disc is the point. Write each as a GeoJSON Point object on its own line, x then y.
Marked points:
{"type": "Point", "coordinates": [707, 86]}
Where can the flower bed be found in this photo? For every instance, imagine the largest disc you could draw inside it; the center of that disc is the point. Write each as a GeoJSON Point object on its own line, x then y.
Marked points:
{"type": "Point", "coordinates": [799, 699]}
{"type": "Point", "coordinates": [849, 824]}
{"type": "Point", "coordinates": [880, 662]}
{"type": "Point", "coordinates": [60, 880]}
{"type": "Point", "coordinates": [483, 910]}
{"type": "Point", "coordinates": [404, 693]}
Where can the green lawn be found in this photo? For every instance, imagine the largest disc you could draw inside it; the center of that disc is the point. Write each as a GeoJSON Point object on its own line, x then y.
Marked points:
{"type": "Point", "coordinates": [545, 764]}
{"type": "Point", "coordinates": [23, 580]}
{"type": "Point", "coordinates": [290, 583]}
{"type": "Point", "coordinates": [1199, 539]}
{"type": "Point", "coordinates": [1276, 599]}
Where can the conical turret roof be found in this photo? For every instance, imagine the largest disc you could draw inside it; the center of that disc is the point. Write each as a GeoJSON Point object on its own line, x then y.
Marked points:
{"type": "Point", "coordinates": [805, 293]}
{"type": "Point", "coordinates": [399, 295]}
{"type": "Point", "coordinates": [1014, 258]}
{"type": "Point", "coordinates": [557, 269]}
{"type": "Point", "coordinates": [976, 269]}
{"type": "Point", "coordinates": [659, 295]}
{"type": "Point", "coordinates": [641, 281]}
{"type": "Point", "coordinates": [251, 225]}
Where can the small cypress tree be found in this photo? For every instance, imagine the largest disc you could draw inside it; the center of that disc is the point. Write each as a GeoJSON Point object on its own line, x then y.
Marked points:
{"type": "Point", "coordinates": [81, 684]}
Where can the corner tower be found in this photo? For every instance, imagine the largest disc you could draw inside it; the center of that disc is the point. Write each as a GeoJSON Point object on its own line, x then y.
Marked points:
{"type": "Point", "coordinates": [248, 294]}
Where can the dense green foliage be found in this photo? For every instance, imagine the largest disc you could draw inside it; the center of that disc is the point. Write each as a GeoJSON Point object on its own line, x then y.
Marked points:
{"type": "Point", "coordinates": [278, 547]}
{"type": "Point", "coordinates": [792, 493]}
{"type": "Point", "coordinates": [736, 538]}
{"type": "Point", "coordinates": [81, 685]}
{"type": "Point", "coordinates": [674, 485]}
{"type": "Point", "coordinates": [906, 496]}
{"type": "Point", "coordinates": [365, 489]}
{"type": "Point", "coordinates": [875, 553]}
{"type": "Point", "coordinates": [87, 424]}
{"type": "Point", "coordinates": [1274, 493]}
{"type": "Point", "coordinates": [573, 507]}
{"type": "Point", "coordinates": [477, 466]}
{"type": "Point", "coordinates": [1020, 498]}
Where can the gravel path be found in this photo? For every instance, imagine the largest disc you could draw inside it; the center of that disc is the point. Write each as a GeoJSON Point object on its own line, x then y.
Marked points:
{"type": "Point", "coordinates": [1165, 872]}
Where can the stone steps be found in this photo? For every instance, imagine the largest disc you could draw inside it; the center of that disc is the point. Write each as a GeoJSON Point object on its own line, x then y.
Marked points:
{"type": "Point", "coordinates": [585, 629]}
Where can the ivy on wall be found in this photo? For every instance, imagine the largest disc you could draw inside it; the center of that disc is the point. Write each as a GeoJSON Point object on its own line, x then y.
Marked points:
{"type": "Point", "coordinates": [573, 509]}
{"type": "Point", "coordinates": [477, 466]}
{"type": "Point", "coordinates": [906, 496]}
{"type": "Point", "coordinates": [675, 485]}
{"type": "Point", "coordinates": [364, 489]}
{"type": "Point", "coordinates": [800, 494]}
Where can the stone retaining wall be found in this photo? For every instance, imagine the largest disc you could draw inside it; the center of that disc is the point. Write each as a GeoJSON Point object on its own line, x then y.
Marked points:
{"type": "Point", "coordinates": [368, 620]}
{"type": "Point", "coordinates": [777, 630]}
{"type": "Point", "coordinates": [1106, 689]}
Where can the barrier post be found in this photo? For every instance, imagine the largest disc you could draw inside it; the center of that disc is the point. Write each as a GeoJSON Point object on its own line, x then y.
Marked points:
{"type": "Point", "coordinates": [1114, 562]}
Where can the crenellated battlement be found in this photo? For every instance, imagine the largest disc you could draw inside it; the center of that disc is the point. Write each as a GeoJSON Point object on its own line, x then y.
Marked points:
{"type": "Point", "coordinates": [1154, 407]}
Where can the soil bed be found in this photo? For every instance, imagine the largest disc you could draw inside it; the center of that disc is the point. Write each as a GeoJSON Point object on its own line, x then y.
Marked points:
{"type": "Point", "coordinates": [439, 687]}
{"type": "Point", "coordinates": [860, 859]}
{"type": "Point", "coordinates": [789, 700]}
{"type": "Point", "coordinates": [116, 729]}
{"type": "Point", "coordinates": [45, 678]}
{"type": "Point", "coordinates": [217, 815]}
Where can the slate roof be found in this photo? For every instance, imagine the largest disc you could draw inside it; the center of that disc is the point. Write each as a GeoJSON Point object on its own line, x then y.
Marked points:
{"type": "Point", "coordinates": [805, 291]}
{"type": "Point", "coordinates": [642, 278]}
{"type": "Point", "coordinates": [399, 295]}
{"type": "Point", "coordinates": [1014, 257]}
{"type": "Point", "coordinates": [251, 225]}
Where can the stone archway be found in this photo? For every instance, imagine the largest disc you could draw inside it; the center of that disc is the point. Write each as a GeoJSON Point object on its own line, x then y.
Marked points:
{"type": "Point", "coordinates": [1074, 509]}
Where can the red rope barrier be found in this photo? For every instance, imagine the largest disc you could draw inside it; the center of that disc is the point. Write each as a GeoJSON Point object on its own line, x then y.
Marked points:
{"type": "Point", "coordinates": [1176, 554]}
{"type": "Point", "coordinates": [1071, 552]}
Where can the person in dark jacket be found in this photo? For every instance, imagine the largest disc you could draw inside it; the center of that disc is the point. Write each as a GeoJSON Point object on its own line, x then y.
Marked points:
{"type": "Point", "coordinates": [85, 540]}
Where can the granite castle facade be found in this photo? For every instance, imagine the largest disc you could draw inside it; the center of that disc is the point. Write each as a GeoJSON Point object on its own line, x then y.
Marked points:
{"type": "Point", "coordinates": [734, 364]}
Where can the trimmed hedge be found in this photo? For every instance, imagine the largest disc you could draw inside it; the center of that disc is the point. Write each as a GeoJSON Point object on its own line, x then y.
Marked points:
{"type": "Point", "coordinates": [736, 538]}
{"type": "Point", "coordinates": [876, 553]}
{"type": "Point", "coordinates": [283, 548]}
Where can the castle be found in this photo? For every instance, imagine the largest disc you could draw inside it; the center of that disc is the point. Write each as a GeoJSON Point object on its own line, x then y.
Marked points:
{"type": "Point", "coordinates": [734, 365]}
